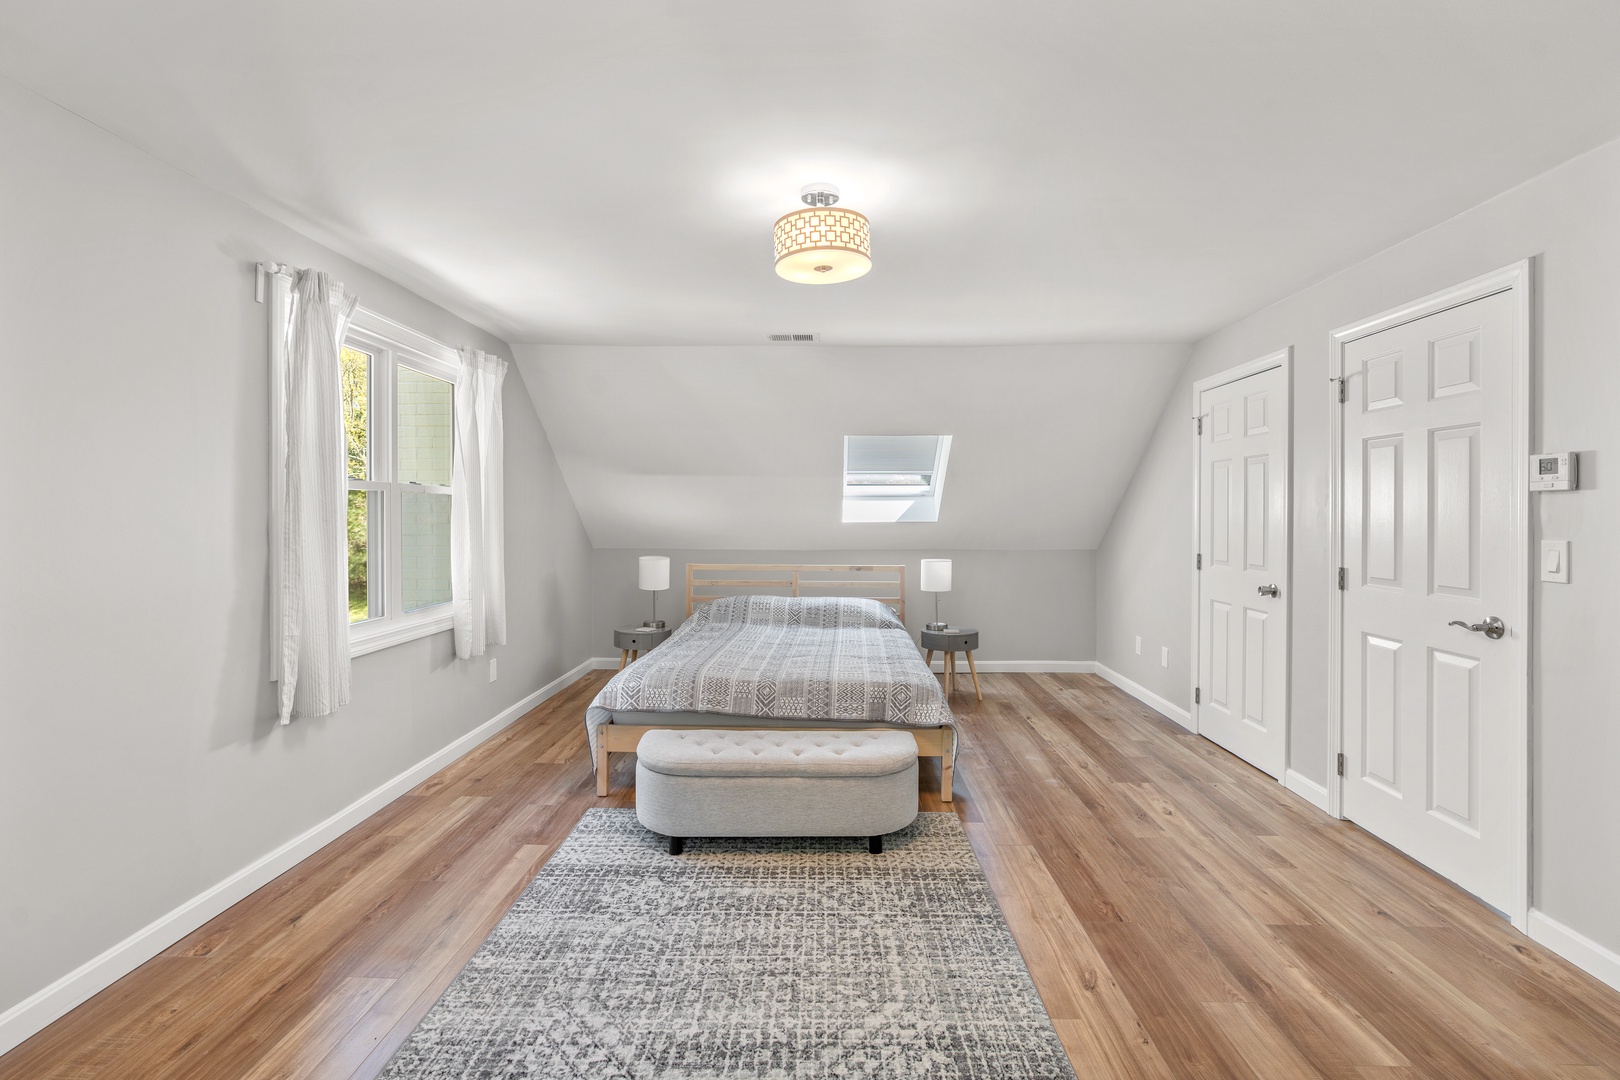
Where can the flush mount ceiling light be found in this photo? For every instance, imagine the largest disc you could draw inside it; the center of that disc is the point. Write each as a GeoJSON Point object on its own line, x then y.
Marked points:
{"type": "Point", "coordinates": [824, 244]}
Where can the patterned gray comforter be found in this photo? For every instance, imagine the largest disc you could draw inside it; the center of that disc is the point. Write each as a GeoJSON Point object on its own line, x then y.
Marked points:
{"type": "Point", "coordinates": [799, 658]}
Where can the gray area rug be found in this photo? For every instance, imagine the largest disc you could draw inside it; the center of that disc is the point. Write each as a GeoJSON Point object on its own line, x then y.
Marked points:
{"type": "Point", "coordinates": [744, 958]}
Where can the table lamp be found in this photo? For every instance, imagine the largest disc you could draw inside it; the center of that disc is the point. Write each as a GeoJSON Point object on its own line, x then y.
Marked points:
{"type": "Point", "coordinates": [936, 578]}
{"type": "Point", "coordinates": [655, 577]}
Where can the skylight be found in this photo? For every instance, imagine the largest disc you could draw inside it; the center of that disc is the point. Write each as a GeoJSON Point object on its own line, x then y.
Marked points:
{"type": "Point", "coordinates": [894, 477]}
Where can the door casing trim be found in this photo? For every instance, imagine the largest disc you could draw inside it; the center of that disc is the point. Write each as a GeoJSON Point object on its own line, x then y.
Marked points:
{"type": "Point", "coordinates": [1516, 278]}
{"type": "Point", "coordinates": [1283, 358]}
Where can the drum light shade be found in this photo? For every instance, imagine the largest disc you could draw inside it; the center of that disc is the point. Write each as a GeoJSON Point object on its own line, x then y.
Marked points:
{"type": "Point", "coordinates": [823, 245]}
{"type": "Point", "coordinates": [654, 572]}
{"type": "Point", "coordinates": [936, 575]}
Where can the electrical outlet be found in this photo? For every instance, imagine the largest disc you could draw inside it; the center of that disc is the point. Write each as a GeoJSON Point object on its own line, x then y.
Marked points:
{"type": "Point", "coordinates": [492, 671]}
{"type": "Point", "coordinates": [1164, 656]}
{"type": "Point", "coordinates": [1138, 644]}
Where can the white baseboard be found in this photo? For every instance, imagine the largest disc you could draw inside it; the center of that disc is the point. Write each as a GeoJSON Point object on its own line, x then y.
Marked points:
{"type": "Point", "coordinates": [1146, 696]}
{"type": "Point", "coordinates": [1081, 667]}
{"type": "Point", "coordinates": [90, 978]}
{"type": "Point", "coordinates": [1307, 789]}
{"type": "Point", "coordinates": [1596, 960]}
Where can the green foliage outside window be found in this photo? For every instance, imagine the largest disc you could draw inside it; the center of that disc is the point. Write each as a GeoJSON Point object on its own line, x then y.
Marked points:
{"type": "Point", "coordinates": [357, 436]}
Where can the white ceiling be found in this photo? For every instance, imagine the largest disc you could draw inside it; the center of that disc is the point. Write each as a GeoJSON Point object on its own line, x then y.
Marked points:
{"type": "Point", "coordinates": [742, 447]}
{"type": "Point", "coordinates": [608, 171]}
{"type": "Point", "coordinates": [603, 176]}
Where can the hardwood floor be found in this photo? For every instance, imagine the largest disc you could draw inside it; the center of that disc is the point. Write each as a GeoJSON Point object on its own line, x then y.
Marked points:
{"type": "Point", "coordinates": [1183, 916]}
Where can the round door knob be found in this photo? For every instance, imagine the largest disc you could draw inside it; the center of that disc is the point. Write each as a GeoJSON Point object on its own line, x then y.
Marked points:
{"type": "Point", "coordinates": [1271, 591]}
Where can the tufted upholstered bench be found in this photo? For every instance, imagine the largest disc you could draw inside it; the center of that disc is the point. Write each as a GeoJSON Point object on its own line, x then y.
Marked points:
{"type": "Point", "coordinates": [697, 782]}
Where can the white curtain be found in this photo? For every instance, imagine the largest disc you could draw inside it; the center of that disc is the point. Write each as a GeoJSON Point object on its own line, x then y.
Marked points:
{"type": "Point", "coordinates": [313, 600]}
{"type": "Point", "coordinates": [478, 507]}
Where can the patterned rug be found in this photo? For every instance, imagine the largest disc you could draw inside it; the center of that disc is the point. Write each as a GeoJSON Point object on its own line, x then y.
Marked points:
{"type": "Point", "coordinates": [744, 958]}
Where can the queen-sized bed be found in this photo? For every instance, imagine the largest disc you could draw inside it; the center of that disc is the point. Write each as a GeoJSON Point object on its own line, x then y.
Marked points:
{"type": "Point", "coordinates": [756, 661]}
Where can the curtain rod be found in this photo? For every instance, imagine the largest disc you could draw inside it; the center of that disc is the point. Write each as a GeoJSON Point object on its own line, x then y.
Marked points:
{"type": "Point", "coordinates": [288, 270]}
{"type": "Point", "coordinates": [271, 269]}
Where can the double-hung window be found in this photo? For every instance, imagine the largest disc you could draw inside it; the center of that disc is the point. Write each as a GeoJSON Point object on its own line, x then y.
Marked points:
{"type": "Point", "coordinates": [399, 426]}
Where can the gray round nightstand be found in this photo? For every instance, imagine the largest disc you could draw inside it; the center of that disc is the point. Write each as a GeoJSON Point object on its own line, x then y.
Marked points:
{"type": "Point", "coordinates": [950, 642]}
{"type": "Point", "coordinates": [632, 641]}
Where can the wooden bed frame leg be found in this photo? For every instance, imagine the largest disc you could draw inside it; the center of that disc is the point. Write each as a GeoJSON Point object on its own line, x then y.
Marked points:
{"type": "Point", "coordinates": [601, 771]}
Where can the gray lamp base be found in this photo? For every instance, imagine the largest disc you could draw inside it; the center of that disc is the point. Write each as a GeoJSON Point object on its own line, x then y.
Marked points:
{"type": "Point", "coordinates": [654, 624]}
{"type": "Point", "coordinates": [936, 626]}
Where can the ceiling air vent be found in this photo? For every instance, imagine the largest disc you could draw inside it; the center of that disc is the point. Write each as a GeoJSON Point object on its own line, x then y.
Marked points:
{"type": "Point", "coordinates": [792, 337]}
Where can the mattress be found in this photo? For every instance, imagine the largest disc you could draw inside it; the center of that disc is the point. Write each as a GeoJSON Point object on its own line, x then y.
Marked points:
{"type": "Point", "coordinates": [762, 660]}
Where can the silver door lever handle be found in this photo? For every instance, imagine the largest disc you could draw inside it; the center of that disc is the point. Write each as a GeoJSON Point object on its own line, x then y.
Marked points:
{"type": "Point", "coordinates": [1271, 591]}
{"type": "Point", "coordinates": [1492, 627]}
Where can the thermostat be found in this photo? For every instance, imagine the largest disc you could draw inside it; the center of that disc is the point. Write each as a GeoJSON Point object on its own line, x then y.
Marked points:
{"type": "Point", "coordinates": [1554, 472]}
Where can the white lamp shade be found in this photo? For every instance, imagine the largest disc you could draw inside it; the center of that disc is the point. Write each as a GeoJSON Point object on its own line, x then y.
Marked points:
{"type": "Point", "coordinates": [654, 572]}
{"type": "Point", "coordinates": [936, 575]}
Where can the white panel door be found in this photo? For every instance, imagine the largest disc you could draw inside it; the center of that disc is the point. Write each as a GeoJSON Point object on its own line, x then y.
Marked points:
{"type": "Point", "coordinates": [1243, 548]}
{"type": "Point", "coordinates": [1428, 541]}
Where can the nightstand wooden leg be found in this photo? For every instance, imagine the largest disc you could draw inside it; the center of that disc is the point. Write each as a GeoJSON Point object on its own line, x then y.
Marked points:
{"type": "Point", "coordinates": [972, 667]}
{"type": "Point", "coordinates": [624, 658]}
{"type": "Point", "coordinates": [950, 672]}
{"type": "Point", "coordinates": [930, 660]}
{"type": "Point", "coordinates": [635, 654]}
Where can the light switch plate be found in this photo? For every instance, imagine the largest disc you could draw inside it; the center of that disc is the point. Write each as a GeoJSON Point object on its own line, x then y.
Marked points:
{"type": "Point", "coordinates": [1555, 561]}
{"type": "Point", "coordinates": [1138, 644]}
{"type": "Point", "coordinates": [1164, 656]}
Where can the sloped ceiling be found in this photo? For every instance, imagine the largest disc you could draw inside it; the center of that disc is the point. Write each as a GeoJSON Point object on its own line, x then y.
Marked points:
{"type": "Point", "coordinates": [608, 171]}
{"type": "Point", "coordinates": [742, 447]}
{"type": "Point", "coordinates": [603, 176]}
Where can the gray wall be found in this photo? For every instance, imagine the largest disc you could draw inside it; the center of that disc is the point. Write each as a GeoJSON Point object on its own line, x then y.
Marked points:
{"type": "Point", "coordinates": [1026, 605]}
{"type": "Point", "coordinates": [1570, 220]}
{"type": "Point", "coordinates": [139, 760]}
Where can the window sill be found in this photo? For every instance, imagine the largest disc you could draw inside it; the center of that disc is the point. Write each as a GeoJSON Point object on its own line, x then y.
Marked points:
{"type": "Point", "coordinates": [369, 639]}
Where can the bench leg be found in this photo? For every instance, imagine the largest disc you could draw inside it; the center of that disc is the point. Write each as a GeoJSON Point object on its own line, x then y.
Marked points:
{"type": "Point", "coordinates": [677, 844]}
{"type": "Point", "coordinates": [947, 766]}
{"type": "Point", "coordinates": [601, 770]}
{"type": "Point", "coordinates": [874, 844]}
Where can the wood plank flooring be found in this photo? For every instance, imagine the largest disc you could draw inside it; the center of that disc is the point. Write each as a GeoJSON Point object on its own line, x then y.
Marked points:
{"type": "Point", "coordinates": [1183, 916]}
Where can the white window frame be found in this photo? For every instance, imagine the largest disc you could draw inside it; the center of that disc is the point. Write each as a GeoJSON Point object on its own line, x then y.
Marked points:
{"type": "Point", "coordinates": [391, 343]}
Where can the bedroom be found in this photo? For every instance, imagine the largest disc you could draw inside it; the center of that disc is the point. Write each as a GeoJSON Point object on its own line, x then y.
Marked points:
{"type": "Point", "coordinates": [1087, 223]}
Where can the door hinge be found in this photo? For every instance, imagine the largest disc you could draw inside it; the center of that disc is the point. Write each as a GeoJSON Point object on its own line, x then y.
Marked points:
{"type": "Point", "coordinates": [1198, 695]}
{"type": "Point", "coordinates": [1342, 576]}
{"type": "Point", "coordinates": [1341, 381]}
{"type": "Point", "coordinates": [1341, 764]}
{"type": "Point", "coordinates": [1199, 563]}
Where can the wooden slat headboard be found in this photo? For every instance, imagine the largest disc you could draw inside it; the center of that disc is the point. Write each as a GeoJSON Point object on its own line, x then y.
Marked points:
{"type": "Point", "coordinates": [711, 581]}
